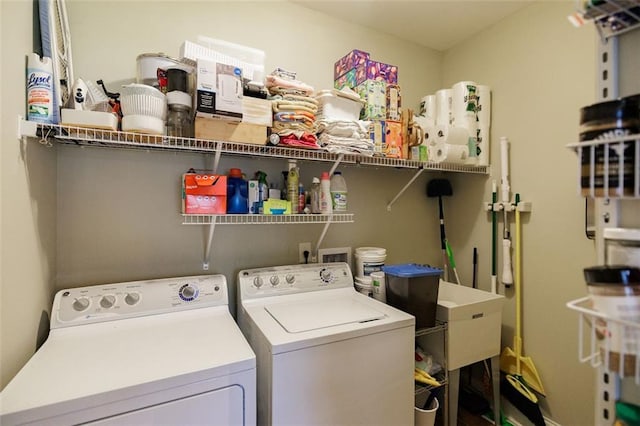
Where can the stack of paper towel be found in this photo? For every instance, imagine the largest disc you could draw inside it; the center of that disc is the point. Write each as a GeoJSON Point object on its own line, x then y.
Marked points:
{"type": "Point", "coordinates": [456, 123]}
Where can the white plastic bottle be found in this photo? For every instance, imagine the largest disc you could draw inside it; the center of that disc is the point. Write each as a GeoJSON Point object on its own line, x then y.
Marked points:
{"type": "Point", "coordinates": [325, 194]}
{"type": "Point", "coordinates": [315, 195]}
{"type": "Point", "coordinates": [40, 89]}
{"type": "Point", "coordinates": [338, 192]}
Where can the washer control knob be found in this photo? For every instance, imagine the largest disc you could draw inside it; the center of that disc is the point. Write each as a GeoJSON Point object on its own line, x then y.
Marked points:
{"type": "Point", "coordinates": [108, 301]}
{"type": "Point", "coordinates": [326, 275]}
{"type": "Point", "coordinates": [81, 303]}
{"type": "Point", "coordinates": [290, 278]}
{"type": "Point", "coordinates": [132, 298]}
{"type": "Point", "coordinates": [258, 282]}
{"type": "Point", "coordinates": [274, 280]}
{"type": "Point", "coordinates": [188, 292]}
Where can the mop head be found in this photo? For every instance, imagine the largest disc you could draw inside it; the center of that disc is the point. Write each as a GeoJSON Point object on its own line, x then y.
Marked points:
{"type": "Point", "coordinates": [521, 398]}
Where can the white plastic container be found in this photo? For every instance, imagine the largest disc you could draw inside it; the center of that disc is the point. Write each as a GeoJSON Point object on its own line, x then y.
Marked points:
{"type": "Point", "coordinates": [325, 194]}
{"type": "Point", "coordinates": [369, 259]}
{"type": "Point", "coordinates": [427, 417]}
{"type": "Point", "coordinates": [364, 285]}
{"type": "Point", "coordinates": [378, 286]}
{"type": "Point", "coordinates": [336, 105]}
{"type": "Point", "coordinates": [40, 89]}
{"type": "Point", "coordinates": [338, 189]}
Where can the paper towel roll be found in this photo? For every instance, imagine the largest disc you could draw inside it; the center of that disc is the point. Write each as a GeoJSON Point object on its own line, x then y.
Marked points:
{"type": "Point", "coordinates": [451, 135]}
{"type": "Point", "coordinates": [443, 106]}
{"type": "Point", "coordinates": [428, 107]}
{"type": "Point", "coordinates": [447, 153]}
{"type": "Point", "coordinates": [484, 105]}
{"type": "Point", "coordinates": [463, 103]}
{"type": "Point", "coordinates": [484, 142]}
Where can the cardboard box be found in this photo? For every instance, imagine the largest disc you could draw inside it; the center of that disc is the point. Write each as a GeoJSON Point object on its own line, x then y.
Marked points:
{"type": "Point", "coordinates": [376, 134]}
{"type": "Point", "coordinates": [374, 93]}
{"type": "Point", "coordinates": [349, 61]}
{"type": "Point", "coordinates": [393, 139]}
{"type": "Point", "coordinates": [223, 130]}
{"type": "Point", "coordinates": [393, 102]}
{"type": "Point", "coordinates": [204, 193]}
{"type": "Point", "coordinates": [218, 90]}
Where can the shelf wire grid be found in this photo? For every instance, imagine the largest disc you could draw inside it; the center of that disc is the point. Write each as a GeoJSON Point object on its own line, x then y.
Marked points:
{"type": "Point", "coordinates": [265, 219]}
{"type": "Point", "coordinates": [129, 140]}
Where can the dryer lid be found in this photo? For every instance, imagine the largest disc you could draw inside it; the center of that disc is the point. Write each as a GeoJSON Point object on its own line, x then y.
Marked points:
{"type": "Point", "coordinates": [301, 316]}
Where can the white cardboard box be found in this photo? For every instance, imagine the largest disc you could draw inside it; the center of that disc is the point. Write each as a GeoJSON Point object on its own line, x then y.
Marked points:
{"type": "Point", "coordinates": [218, 90]}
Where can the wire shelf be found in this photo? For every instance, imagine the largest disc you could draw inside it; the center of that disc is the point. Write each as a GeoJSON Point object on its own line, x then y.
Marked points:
{"type": "Point", "coordinates": [127, 140]}
{"type": "Point", "coordinates": [265, 219]}
{"type": "Point", "coordinates": [610, 168]}
{"type": "Point", "coordinates": [611, 17]}
{"type": "Point", "coordinates": [606, 340]}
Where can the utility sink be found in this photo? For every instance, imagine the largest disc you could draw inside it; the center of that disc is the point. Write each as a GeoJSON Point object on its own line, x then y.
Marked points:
{"type": "Point", "coordinates": [474, 320]}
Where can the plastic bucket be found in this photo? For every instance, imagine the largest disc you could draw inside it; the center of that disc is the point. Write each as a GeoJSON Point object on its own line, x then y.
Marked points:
{"type": "Point", "coordinates": [363, 285]}
{"type": "Point", "coordinates": [369, 259]}
{"type": "Point", "coordinates": [426, 417]}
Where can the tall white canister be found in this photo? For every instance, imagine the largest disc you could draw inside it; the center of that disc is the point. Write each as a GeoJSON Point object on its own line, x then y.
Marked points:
{"type": "Point", "coordinates": [369, 259]}
{"type": "Point", "coordinates": [39, 89]}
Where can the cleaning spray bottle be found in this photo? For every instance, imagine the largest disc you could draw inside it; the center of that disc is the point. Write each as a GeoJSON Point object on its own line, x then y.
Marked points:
{"type": "Point", "coordinates": [40, 89]}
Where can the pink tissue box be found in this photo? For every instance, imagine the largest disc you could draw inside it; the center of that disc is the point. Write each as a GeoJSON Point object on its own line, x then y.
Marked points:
{"type": "Point", "coordinates": [349, 61]}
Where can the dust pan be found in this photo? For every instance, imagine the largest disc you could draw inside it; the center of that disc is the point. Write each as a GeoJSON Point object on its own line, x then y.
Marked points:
{"type": "Point", "coordinates": [522, 375]}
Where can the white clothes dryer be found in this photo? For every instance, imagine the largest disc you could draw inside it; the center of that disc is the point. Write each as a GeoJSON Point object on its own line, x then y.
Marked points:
{"type": "Point", "coordinates": [163, 351]}
{"type": "Point", "coordinates": [326, 354]}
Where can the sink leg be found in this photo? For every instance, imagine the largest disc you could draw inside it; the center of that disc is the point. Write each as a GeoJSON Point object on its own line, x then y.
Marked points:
{"type": "Point", "coordinates": [454, 390]}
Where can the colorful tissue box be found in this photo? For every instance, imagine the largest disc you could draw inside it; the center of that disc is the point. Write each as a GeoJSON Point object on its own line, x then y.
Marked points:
{"type": "Point", "coordinates": [346, 80]}
{"type": "Point", "coordinates": [349, 61]}
{"type": "Point", "coordinates": [376, 134]}
{"type": "Point", "coordinates": [373, 92]}
{"type": "Point", "coordinates": [394, 102]}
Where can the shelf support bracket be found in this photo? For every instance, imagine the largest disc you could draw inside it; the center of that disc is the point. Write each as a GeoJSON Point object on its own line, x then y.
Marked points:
{"type": "Point", "coordinates": [418, 173]}
{"type": "Point", "coordinates": [26, 128]}
{"type": "Point", "coordinates": [207, 249]}
{"type": "Point", "coordinates": [216, 158]}
{"type": "Point", "coordinates": [314, 255]}
{"type": "Point", "coordinates": [335, 164]}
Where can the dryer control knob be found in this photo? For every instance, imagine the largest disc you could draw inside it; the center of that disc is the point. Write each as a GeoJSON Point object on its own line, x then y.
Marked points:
{"type": "Point", "coordinates": [188, 292]}
{"type": "Point", "coordinates": [81, 303]}
{"type": "Point", "coordinates": [274, 280]}
{"type": "Point", "coordinates": [108, 301]}
{"type": "Point", "coordinates": [326, 275]}
{"type": "Point", "coordinates": [258, 282]}
{"type": "Point", "coordinates": [290, 278]}
{"type": "Point", "coordinates": [132, 298]}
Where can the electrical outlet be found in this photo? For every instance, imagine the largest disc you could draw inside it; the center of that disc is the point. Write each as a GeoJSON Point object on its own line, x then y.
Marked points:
{"type": "Point", "coordinates": [302, 247]}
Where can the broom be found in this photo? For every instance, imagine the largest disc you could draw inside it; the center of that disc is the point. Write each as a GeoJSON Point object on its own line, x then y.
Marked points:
{"type": "Point", "coordinates": [513, 386]}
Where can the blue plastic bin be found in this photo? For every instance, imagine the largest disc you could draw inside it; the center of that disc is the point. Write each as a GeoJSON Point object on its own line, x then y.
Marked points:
{"type": "Point", "coordinates": [413, 288]}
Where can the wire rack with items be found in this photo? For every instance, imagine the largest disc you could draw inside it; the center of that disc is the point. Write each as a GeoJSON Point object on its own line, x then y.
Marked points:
{"type": "Point", "coordinates": [605, 341]}
{"type": "Point", "coordinates": [611, 17]}
{"type": "Point", "coordinates": [607, 167]}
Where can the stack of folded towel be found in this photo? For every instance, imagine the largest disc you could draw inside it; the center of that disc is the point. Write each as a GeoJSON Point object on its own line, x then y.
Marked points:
{"type": "Point", "coordinates": [294, 110]}
{"type": "Point", "coordinates": [345, 137]}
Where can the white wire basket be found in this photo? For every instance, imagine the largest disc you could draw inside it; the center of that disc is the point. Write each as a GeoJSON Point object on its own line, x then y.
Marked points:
{"type": "Point", "coordinates": [596, 345]}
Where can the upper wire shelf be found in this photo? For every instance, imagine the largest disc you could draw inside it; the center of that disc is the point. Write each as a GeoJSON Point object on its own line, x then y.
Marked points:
{"type": "Point", "coordinates": [114, 139]}
{"type": "Point", "coordinates": [606, 340]}
{"type": "Point", "coordinates": [265, 219]}
{"type": "Point", "coordinates": [609, 168]}
{"type": "Point", "coordinates": [611, 17]}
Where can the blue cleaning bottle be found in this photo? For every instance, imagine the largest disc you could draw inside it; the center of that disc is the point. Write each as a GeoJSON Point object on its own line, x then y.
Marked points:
{"type": "Point", "coordinates": [237, 193]}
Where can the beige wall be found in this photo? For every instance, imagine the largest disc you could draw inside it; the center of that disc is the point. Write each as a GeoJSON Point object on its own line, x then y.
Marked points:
{"type": "Point", "coordinates": [117, 211]}
{"type": "Point", "coordinates": [541, 70]}
{"type": "Point", "coordinates": [28, 211]}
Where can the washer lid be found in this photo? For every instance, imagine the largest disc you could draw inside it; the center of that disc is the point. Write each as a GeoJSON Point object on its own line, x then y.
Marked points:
{"type": "Point", "coordinates": [300, 316]}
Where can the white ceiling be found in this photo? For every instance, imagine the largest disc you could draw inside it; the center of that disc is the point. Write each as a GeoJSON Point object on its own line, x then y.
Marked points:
{"type": "Point", "coordinates": [438, 24]}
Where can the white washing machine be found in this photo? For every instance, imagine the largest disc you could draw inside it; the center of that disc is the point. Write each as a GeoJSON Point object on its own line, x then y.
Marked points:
{"type": "Point", "coordinates": [155, 352]}
{"type": "Point", "coordinates": [326, 354]}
